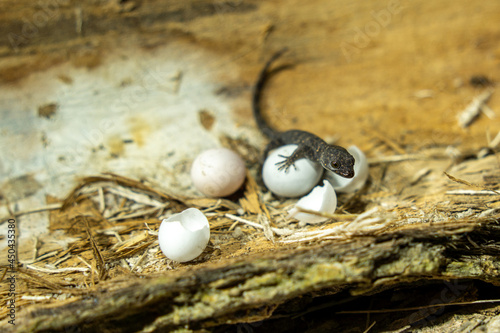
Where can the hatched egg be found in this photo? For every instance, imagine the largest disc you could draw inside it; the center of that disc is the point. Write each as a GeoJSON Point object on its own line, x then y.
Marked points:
{"type": "Point", "coordinates": [218, 172]}
{"type": "Point", "coordinates": [297, 181]}
{"type": "Point", "coordinates": [322, 199]}
{"type": "Point", "coordinates": [349, 185]}
{"type": "Point", "coordinates": [184, 236]}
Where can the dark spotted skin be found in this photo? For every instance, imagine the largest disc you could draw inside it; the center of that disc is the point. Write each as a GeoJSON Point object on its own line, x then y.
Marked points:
{"type": "Point", "coordinates": [310, 146]}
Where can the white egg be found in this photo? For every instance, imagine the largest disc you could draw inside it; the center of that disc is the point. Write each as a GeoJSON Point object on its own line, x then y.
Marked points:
{"type": "Point", "coordinates": [349, 185]}
{"type": "Point", "coordinates": [298, 181]}
{"type": "Point", "coordinates": [184, 236]}
{"type": "Point", "coordinates": [218, 172]}
{"type": "Point", "coordinates": [321, 199]}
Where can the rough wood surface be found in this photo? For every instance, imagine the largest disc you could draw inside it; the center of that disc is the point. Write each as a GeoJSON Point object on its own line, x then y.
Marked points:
{"type": "Point", "coordinates": [389, 76]}
{"type": "Point", "coordinates": [253, 288]}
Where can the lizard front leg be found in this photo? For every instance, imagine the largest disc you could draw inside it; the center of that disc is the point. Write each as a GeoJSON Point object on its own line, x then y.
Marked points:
{"type": "Point", "coordinates": [301, 152]}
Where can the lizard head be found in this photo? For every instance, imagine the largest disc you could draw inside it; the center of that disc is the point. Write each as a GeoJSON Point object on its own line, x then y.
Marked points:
{"type": "Point", "coordinates": [338, 160]}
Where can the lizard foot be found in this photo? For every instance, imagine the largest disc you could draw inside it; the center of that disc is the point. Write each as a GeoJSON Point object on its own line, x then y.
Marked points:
{"type": "Point", "coordinates": [286, 163]}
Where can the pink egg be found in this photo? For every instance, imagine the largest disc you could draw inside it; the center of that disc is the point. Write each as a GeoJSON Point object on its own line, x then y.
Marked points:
{"type": "Point", "coordinates": [218, 172]}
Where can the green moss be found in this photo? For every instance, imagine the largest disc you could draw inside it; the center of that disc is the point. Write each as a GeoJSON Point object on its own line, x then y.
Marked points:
{"type": "Point", "coordinates": [324, 273]}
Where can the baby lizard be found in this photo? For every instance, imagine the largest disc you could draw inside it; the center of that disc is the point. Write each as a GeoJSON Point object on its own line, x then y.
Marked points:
{"type": "Point", "coordinates": [310, 146]}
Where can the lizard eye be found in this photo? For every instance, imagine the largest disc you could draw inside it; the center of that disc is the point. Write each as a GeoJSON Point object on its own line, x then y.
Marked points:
{"type": "Point", "coordinates": [335, 165]}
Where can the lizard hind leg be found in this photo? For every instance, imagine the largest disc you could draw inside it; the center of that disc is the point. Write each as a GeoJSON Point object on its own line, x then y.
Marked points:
{"type": "Point", "coordinates": [270, 146]}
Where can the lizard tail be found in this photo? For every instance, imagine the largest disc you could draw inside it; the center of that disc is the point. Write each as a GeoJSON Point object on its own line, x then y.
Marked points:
{"type": "Point", "coordinates": [264, 74]}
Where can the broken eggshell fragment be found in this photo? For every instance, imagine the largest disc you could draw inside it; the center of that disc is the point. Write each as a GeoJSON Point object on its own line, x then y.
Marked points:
{"type": "Point", "coordinates": [350, 185]}
{"type": "Point", "coordinates": [322, 199]}
{"type": "Point", "coordinates": [297, 181]}
{"type": "Point", "coordinates": [184, 236]}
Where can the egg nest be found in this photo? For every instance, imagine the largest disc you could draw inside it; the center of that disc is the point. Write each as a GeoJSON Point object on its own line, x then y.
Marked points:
{"type": "Point", "coordinates": [401, 227]}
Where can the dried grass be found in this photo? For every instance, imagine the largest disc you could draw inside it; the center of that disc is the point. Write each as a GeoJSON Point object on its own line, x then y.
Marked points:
{"type": "Point", "coordinates": [110, 222]}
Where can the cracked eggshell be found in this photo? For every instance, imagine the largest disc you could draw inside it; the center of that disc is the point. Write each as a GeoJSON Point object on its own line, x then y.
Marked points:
{"type": "Point", "coordinates": [321, 199]}
{"type": "Point", "coordinates": [184, 236]}
{"type": "Point", "coordinates": [294, 183]}
{"type": "Point", "coordinates": [350, 185]}
{"type": "Point", "coordinates": [218, 172]}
